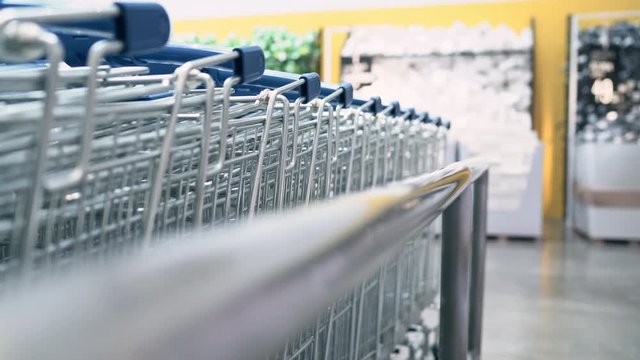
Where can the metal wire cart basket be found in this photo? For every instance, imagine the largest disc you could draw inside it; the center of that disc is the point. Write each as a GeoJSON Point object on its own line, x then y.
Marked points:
{"type": "Point", "coordinates": [125, 163]}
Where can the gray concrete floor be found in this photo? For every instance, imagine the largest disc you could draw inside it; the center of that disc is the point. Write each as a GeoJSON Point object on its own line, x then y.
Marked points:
{"type": "Point", "coordinates": [561, 299]}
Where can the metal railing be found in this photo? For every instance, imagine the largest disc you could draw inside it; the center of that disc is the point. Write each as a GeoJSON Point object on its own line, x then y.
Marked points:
{"type": "Point", "coordinates": [243, 295]}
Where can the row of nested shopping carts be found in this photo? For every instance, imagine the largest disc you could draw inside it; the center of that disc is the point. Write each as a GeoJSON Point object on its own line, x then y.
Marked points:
{"type": "Point", "coordinates": [113, 140]}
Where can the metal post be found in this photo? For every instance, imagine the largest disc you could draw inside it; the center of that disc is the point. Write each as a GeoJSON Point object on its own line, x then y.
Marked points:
{"type": "Point", "coordinates": [477, 265]}
{"type": "Point", "coordinates": [457, 231]}
{"type": "Point", "coordinates": [572, 98]}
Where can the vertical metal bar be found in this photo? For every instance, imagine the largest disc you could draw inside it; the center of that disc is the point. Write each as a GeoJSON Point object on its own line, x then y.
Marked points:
{"type": "Point", "coordinates": [55, 55]}
{"type": "Point", "coordinates": [358, 329]}
{"type": "Point", "coordinates": [354, 136]}
{"type": "Point", "coordinates": [327, 344]}
{"type": "Point", "coordinates": [314, 152]}
{"type": "Point", "coordinates": [204, 149]}
{"type": "Point", "coordinates": [354, 326]}
{"type": "Point", "coordinates": [572, 94]}
{"type": "Point", "coordinates": [381, 280]}
{"type": "Point", "coordinates": [396, 297]}
{"type": "Point", "coordinates": [457, 231]}
{"type": "Point", "coordinates": [477, 264]}
{"type": "Point", "coordinates": [282, 167]}
{"type": "Point", "coordinates": [316, 339]}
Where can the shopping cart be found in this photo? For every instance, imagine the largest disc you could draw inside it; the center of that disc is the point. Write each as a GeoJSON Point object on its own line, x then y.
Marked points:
{"type": "Point", "coordinates": [55, 196]}
{"type": "Point", "coordinates": [126, 150]}
{"type": "Point", "coordinates": [316, 146]}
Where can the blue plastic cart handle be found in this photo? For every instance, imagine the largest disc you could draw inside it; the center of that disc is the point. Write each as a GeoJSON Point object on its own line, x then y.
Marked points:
{"type": "Point", "coordinates": [275, 79]}
{"type": "Point", "coordinates": [410, 113]}
{"type": "Point", "coordinates": [139, 26]}
{"type": "Point", "coordinates": [423, 117]}
{"type": "Point", "coordinates": [171, 56]}
{"type": "Point", "coordinates": [437, 121]}
{"type": "Point", "coordinates": [346, 98]}
{"type": "Point", "coordinates": [250, 69]}
{"type": "Point", "coordinates": [395, 111]}
{"type": "Point", "coordinates": [375, 104]}
{"type": "Point", "coordinates": [142, 26]}
{"type": "Point", "coordinates": [248, 66]}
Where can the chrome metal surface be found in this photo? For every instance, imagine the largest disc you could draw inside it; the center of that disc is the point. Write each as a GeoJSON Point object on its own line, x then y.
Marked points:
{"type": "Point", "coordinates": [457, 234]}
{"type": "Point", "coordinates": [199, 298]}
{"type": "Point", "coordinates": [478, 254]}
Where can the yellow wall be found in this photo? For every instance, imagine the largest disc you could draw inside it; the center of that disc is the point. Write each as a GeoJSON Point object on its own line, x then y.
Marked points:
{"type": "Point", "coordinates": [551, 35]}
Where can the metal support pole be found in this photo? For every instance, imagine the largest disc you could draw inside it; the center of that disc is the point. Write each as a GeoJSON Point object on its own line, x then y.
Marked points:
{"type": "Point", "coordinates": [478, 251]}
{"type": "Point", "coordinates": [457, 231]}
{"type": "Point", "coordinates": [572, 109]}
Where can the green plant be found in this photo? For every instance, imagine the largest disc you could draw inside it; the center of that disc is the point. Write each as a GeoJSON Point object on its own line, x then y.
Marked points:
{"type": "Point", "coordinates": [283, 50]}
